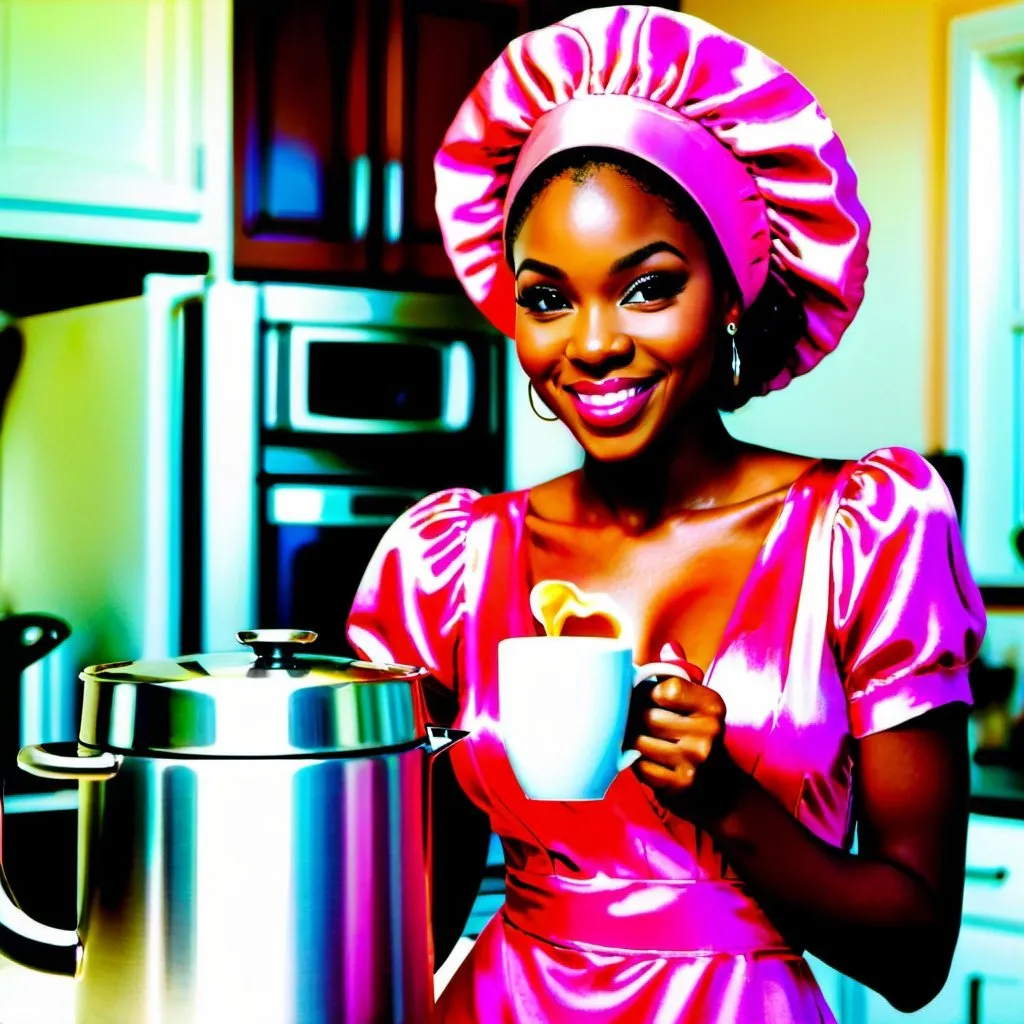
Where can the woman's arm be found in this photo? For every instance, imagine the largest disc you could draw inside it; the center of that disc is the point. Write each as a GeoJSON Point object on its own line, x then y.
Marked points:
{"type": "Point", "coordinates": [888, 916]}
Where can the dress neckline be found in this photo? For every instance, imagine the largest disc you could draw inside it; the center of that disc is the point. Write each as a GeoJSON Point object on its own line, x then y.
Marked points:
{"type": "Point", "coordinates": [525, 581]}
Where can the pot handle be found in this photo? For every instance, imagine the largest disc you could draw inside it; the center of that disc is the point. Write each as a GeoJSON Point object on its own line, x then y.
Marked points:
{"type": "Point", "coordinates": [29, 942]}
{"type": "Point", "coordinates": [441, 738]}
{"type": "Point", "coordinates": [35, 635]}
{"type": "Point", "coordinates": [68, 761]}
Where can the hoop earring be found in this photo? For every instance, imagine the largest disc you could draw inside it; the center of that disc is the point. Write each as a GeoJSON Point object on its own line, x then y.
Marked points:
{"type": "Point", "coordinates": [529, 395]}
{"type": "Point", "coordinates": [731, 330]}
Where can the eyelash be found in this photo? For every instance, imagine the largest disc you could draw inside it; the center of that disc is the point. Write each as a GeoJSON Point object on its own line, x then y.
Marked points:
{"type": "Point", "coordinates": [538, 292]}
{"type": "Point", "coordinates": [670, 286]}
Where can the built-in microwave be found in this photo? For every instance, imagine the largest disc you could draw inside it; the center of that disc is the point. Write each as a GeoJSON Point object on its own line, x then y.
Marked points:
{"type": "Point", "coordinates": [365, 381]}
{"type": "Point", "coordinates": [377, 363]}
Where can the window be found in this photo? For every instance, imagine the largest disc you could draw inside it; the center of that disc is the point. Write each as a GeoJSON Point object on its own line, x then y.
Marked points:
{"type": "Point", "coordinates": [985, 350]}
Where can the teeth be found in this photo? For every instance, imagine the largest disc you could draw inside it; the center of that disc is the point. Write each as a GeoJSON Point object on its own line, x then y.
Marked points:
{"type": "Point", "coordinates": [610, 399]}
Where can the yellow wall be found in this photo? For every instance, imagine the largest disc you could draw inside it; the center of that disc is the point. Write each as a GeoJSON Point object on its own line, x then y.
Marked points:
{"type": "Point", "coordinates": [878, 68]}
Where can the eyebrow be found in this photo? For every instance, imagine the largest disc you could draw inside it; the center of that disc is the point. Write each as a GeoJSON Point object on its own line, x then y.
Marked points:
{"type": "Point", "coordinates": [547, 269]}
{"type": "Point", "coordinates": [633, 259]}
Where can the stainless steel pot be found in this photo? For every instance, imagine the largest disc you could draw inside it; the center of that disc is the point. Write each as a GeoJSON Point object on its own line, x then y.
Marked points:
{"type": "Point", "coordinates": [253, 842]}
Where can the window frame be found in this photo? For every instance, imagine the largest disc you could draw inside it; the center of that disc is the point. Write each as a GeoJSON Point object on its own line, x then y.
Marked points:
{"type": "Point", "coordinates": [985, 305]}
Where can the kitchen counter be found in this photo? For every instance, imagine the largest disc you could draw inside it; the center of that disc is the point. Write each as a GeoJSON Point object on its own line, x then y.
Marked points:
{"type": "Point", "coordinates": [996, 790]}
{"type": "Point", "coordinates": [28, 997]}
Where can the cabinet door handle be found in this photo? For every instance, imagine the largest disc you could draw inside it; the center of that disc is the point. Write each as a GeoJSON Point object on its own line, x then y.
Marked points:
{"type": "Point", "coordinates": [360, 189]}
{"type": "Point", "coordinates": [393, 201]}
{"type": "Point", "coordinates": [974, 999]}
{"type": "Point", "coordinates": [995, 876]}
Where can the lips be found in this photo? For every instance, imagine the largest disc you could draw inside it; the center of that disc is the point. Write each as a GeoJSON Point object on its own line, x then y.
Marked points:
{"type": "Point", "coordinates": [612, 402]}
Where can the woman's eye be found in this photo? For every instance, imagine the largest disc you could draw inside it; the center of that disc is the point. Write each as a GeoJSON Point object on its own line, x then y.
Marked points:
{"type": "Point", "coordinates": [653, 288]}
{"type": "Point", "coordinates": [541, 298]}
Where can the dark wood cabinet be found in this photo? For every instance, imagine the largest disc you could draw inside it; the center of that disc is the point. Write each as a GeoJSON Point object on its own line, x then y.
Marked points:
{"type": "Point", "coordinates": [437, 50]}
{"type": "Point", "coordinates": [339, 107]}
{"type": "Point", "coordinates": [305, 136]}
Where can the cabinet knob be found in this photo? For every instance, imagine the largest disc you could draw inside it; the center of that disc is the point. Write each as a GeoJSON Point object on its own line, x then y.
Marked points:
{"type": "Point", "coordinates": [994, 876]}
{"type": "Point", "coordinates": [360, 189]}
{"type": "Point", "coordinates": [394, 213]}
{"type": "Point", "coordinates": [974, 999]}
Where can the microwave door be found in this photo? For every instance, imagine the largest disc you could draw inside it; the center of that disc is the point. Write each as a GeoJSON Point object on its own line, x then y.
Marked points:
{"type": "Point", "coordinates": [317, 543]}
{"type": "Point", "coordinates": [360, 380]}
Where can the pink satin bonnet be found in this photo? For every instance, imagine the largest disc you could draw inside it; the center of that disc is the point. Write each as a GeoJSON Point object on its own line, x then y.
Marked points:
{"type": "Point", "coordinates": [736, 130]}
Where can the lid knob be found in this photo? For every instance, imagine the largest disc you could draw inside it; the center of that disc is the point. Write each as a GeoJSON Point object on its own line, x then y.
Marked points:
{"type": "Point", "coordinates": [275, 648]}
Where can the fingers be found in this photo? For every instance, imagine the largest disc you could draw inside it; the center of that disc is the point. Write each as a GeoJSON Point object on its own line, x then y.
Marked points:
{"type": "Point", "coordinates": [677, 735]}
{"type": "Point", "coordinates": [660, 777]}
{"type": "Point", "coordinates": [694, 748]}
{"type": "Point", "coordinates": [670, 725]}
{"type": "Point", "coordinates": [686, 697]}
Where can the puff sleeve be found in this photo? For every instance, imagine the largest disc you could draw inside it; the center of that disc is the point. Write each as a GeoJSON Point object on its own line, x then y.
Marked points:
{"type": "Point", "coordinates": [409, 606]}
{"type": "Point", "coordinates": [907, 618]}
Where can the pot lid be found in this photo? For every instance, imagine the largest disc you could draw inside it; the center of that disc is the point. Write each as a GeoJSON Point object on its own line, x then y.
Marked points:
{"type": "Point", "coordinates": [270, 701]}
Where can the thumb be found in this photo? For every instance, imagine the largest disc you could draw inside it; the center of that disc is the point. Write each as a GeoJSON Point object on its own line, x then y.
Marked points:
{"type": "Point", "coordinates": [673, 653]}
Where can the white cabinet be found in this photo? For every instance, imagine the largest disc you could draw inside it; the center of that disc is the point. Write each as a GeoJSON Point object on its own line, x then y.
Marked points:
{"type": "Point", "coordinates": [115, 121]}
{"type": "Point", "coordinates": [986, 980]}
{"type": "Point", "coordinates": [985, 984]}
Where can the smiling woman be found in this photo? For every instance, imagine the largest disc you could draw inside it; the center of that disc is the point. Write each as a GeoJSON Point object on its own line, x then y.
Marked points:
{"type": "Point", "coordinates": [667, 224]}
{"type": "Point", "coordinates": [744, 362]}
{"type": "Point", "coordinates": [640, 245]}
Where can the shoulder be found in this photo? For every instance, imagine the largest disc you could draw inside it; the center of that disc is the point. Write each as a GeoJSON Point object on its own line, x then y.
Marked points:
{"type": "Point", "coordinates": [768, 470]}
{"type": "Point", "coordinates": [451, 508]}
{"type": "Point", "coordinates": [431, 536]}
{"type": "Point", "coordinates": [891, 484]}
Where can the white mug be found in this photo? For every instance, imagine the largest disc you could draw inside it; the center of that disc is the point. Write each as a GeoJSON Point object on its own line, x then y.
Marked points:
{"type": "Point", "coordinates": [564, 703]}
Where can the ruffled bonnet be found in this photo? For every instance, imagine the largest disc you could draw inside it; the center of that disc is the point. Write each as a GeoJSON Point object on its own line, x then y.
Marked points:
{"type": "Point", "coordinates": [736, 130]}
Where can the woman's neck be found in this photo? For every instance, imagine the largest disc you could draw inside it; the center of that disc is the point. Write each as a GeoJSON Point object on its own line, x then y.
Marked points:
{"type": "Point", "coordinates": [689, 467]}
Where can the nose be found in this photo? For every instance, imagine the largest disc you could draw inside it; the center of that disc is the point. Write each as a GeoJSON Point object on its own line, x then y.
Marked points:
{"type": "Point", "coordinates": [598, 342]}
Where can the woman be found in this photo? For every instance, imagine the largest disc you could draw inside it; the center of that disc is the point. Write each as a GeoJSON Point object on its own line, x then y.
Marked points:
{"type": "Point", "coordinates": [668, 225]}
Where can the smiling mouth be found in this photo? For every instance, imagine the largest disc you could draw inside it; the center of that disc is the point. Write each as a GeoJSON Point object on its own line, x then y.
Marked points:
{"type": "Point", "coordinates": [610, 408]}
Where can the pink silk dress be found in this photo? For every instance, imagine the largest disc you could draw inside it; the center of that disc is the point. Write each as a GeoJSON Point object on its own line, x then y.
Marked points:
{"type": "Point", "coordinates": [858, 615]}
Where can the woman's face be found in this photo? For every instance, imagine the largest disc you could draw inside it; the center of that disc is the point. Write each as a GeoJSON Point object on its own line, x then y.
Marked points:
{"type": "Point", "coordinates": [618, 314]}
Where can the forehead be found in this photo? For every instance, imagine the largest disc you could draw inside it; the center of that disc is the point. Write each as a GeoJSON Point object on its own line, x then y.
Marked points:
{"type": "Point", "coordinates": [598, 212]}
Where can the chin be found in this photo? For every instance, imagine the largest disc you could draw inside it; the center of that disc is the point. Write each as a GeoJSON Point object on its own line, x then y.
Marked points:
{"type": "Point", "coordinates": [615, 448]}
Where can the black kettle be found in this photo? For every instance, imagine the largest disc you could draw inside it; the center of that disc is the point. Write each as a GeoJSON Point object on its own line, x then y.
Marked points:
{"type": "Point", "coordinates": [24, 640]}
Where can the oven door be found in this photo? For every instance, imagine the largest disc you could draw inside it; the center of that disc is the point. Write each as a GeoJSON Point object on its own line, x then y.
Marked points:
{"type": "Point", "coordinates": [340, 380]}
{"type": "Point", "coordinates": [316, 541]}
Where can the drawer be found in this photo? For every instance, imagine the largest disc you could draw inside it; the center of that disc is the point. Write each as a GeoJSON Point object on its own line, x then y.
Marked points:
{"type": "Point", "coordinates": [994, 886]}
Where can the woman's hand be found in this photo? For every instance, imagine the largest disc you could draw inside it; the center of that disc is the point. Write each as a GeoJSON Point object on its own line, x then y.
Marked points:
{"type": "Point", "coordinates": [681, 743]}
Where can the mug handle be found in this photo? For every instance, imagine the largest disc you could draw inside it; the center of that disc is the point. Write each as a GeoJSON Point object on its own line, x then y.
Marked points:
{"type": "Point", "coordinates": [648, 671]}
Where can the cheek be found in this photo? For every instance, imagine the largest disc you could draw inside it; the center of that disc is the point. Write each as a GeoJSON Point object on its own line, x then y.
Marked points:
{"type": "Point", "coordinates": [538, 346]}
{"type": "Point", "coordinates": [678, 337]}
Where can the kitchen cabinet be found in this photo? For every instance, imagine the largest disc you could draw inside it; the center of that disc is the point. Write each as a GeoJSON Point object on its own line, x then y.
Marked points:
{"type": "Point", "coordinates": [114, 122]}
{"type": "Point", "coordinates": [985, 984]}
{"type": "Point", "coordinates": [986, 979]}
{"type": "Point", "coordinates": [339, 110]}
